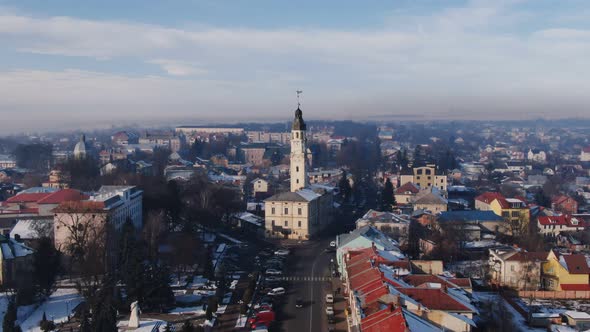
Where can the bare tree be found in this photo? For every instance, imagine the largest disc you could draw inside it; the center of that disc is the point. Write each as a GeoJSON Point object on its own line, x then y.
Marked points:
{"type": "Point", "coordinates": [81, 233]}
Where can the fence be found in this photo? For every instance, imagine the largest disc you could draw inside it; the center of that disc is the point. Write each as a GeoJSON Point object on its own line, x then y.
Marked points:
{"type": "Point", "coordinates": [565, 295]}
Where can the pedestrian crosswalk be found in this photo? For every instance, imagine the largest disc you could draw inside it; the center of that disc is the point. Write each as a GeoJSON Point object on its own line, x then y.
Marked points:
{"type": "Point", "coordinates": [305, 278]}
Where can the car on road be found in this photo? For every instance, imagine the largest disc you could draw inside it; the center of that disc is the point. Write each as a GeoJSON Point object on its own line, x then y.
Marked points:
{"type": "Point", "coordinates": [329, 298]}
{"type": "Point", "coordinates": [330, 311]}
{"type": "Point", "coordinates": [272, 278]}
{"type": "Point", "coordinates": [299, 303]}
{"type": "Point", "coordinates": [262, 318]}
{"type": "Point", "coordinates": [333, 244]}
{"type": "Point", "coordinates": [277, 291]}
{"type": "Point", "coordinates": [282, 252]}
{"type": "Point", "coordinates": [273, 272]}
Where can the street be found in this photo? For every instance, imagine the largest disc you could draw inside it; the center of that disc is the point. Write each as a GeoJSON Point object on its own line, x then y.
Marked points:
{"type": "Point", "coordinates": [308, 278]}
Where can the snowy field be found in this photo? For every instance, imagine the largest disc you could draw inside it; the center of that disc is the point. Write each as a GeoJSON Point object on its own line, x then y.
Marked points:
{"type": "Point", "coordinates": [56, 308]}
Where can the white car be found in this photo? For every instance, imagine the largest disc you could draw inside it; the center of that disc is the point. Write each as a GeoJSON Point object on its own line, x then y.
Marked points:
{"type": "Point", "coordinates": [282, 252]}
{"type": "Point", "coordinates": [273, 272]}
{"type": "Point", "coordinates": [330, 311]}
{"type": "Point", "coordinates": [333, 244]}
{"type": "Point", "coordinates": [329, 298]}
{"type": "Point", "coordinates": [277, 291]}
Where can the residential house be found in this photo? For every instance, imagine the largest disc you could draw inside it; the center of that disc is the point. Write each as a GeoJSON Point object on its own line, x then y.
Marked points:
{"type": "Point", "coordinates": [406, 193]}
{"type": "Point", "coordinates": [516, 268]}
{"type": "Point", "coordinates": [564, 204]}
{"type": "Point", "coordinates": [537, 155]}
{"type": "Point", "coordinates": [393, 225]}
{"type": "Point", "coordinates": [430, 200]}
{"type": "Point", "coordinates": [585, 154]}
{"type": "Point", "coordinates": [426, 177]}
{"type": "Point", "coordinates": [260, 188]}
{"type": "Point", "coordinates": [565, 272]}
{"type": "Point", "coordinates": [490, 222]}
{"type": "Point", "coordinates": [16, 262]}
{"type": "Point", "coordinates": [560, 223]}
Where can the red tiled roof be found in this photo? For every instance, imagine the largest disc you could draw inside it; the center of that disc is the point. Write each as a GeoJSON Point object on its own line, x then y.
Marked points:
{"type": "Point", "coordinates": [386, 320]}
{"type": "Point", "coordinates": [27, 197]}
{"type": "Point", "coordinates": [561, 220]}
{"type": "Point", "coordinates": [63, 196]}
{"type": "Point", "coordinates": [408, 186]}
{"type": "Point", "coordinates": [461, 282]}
{"type": "Point", "coordinates": [489, 197]}
{"type": "Point", "coordinates": [576, 264]}
{"type": "Point", "coordinates": [435, 299]}
{"type": "Point", "coordinates": [575, 287]}
{"type": "Point", "coordinates": [364, 278]}
{"type": "Point", "coordinates": [559, 199]}
{"type": "Point", "coordinates": [373, 295]}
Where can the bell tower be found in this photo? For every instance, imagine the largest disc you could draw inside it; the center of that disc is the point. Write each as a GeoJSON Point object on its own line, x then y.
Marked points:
{"type": "Point", "coordinates": [298, 152]}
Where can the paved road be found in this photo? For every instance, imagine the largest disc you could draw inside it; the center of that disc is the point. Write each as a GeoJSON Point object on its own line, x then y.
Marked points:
{"type": "Point", "coordinates": [308, 278]}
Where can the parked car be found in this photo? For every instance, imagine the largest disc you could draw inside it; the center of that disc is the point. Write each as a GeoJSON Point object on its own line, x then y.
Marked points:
{"type": "Point", "coordinates": [282, 252]}
{"type": "Point", "coordinates": [299, 303]}
{"type": "Point", "coordinates": [263, 318]}
{"type": "Point", "coordinates": [333, 244]}
{"type": "Point", "coordinates": [330, 311]}
{"type": "Point", "coordinates": [274, 272]}
{"type": "Point", "coordinates": [272, 278]}
{"type": "Point", "coordinates": [329, 298]}
{"type": "Point", "coordinates": [277, 291]}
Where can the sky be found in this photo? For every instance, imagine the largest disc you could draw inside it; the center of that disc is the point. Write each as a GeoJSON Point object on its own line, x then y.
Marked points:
{"type": "Point", "coordinates": [75, 64]}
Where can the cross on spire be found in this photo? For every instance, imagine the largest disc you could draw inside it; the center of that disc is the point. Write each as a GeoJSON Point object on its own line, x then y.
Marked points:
{"type": "Point", "coordinates": [298, 93]}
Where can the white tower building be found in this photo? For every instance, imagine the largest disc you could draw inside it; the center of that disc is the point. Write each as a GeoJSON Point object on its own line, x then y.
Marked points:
{"type": "Point", "coordinates": [298, 153]}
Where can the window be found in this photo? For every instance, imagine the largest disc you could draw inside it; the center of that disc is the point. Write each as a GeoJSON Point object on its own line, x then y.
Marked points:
{"type": "Point", "coordinates": [286, 223]}
{"type": "Point", "coordinates": [286, 210]}
{"type": "Point", "coordinates": [428, 172]}
{"type": "Point", "coordinates": [296, 168]}
{"type": "Point", "coordinates": [429, 184]}
{"type": "Point", "coordinates": [299, 211]}
{"type": "Point", "coordinates": [273, 223]}
{"type": "Point", "coordinates": [297, 181]}
{"type": "Point", "coordinates": [511, 268]}
{"type": "Point", "coordinates": [418, 178]}
{"type": "Point", "coordinates": [430, 178]}
{"type": "Point", "coordinates": [515, 214]}
{"type": "Point", "coordinates": [299, 223]}
{"type": "Point", "coordinates": [419, 172]}
{"type": "Point", "coordinates": [505, 214]}
{"type": "Point", "coordinates": [272, 211]}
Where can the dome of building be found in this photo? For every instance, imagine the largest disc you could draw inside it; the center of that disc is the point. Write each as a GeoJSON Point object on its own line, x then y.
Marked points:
{"type": "Point", "coordinates": [81, 149]}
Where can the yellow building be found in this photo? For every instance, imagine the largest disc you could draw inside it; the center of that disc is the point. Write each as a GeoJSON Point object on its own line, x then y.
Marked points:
{"type": "Point", "coordinates": [511, 209]}
{"type": "Point", "coordinates": [565, 272]}
{"type": "Point", "coordinates": [426, 177]}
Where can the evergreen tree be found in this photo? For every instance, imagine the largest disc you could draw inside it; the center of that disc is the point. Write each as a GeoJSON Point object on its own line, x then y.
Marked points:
{"type": "Point", "coordinates": [104, 314]}
{"type": "Point", "coordinates": [85, 322]}
{"type": "Point", "coordinates": [387, 199]}
{"type": "Point", "coordinates": [344, 187]}
{"type": "Point", "coordinates": [46, 263]}
{"type": "Point", "coordinates": [187, 327]}
{"type": "Point", "coordinates": [8, 324]}
{"type": "Point", "coordinates": [209, 270]}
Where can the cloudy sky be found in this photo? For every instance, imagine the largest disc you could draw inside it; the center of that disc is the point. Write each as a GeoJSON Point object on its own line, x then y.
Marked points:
{"type": "Point", "coordinates": [74, 63]}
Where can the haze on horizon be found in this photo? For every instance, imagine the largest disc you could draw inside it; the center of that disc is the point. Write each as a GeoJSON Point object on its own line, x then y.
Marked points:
{"type": "Point", "coordinates": [63, 65]}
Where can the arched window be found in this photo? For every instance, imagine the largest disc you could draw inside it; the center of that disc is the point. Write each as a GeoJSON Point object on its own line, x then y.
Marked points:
{"type": "Point", "coordinates": [296, 168]}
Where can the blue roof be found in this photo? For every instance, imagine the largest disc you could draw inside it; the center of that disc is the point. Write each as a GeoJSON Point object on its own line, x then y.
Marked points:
{"type": "Point", "coordinates": [469, 216]}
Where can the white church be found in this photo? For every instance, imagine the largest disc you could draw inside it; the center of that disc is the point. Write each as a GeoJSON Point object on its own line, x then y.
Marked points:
{"type": "Point", "coordinates": [305, 210]}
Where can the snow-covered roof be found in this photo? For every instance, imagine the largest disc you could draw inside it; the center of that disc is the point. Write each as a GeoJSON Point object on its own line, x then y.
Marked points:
{"type": "Point", "coordinates": [577, 314]}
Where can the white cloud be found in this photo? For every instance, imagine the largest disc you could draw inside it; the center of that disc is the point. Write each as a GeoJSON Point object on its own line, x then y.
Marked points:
{"type": "Point", "coordinates": [475, 56]}
{"type": "Point", "coordinates": [178, 68]}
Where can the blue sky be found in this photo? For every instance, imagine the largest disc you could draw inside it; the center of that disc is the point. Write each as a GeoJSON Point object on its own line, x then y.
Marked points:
{"type": "Point", "coordinates": [81, 63]}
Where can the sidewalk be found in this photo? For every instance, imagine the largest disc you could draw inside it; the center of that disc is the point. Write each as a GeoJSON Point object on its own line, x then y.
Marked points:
{"type": "Point", "coordinates": [227, 321]}
{"type": "Point", "coordinates": [340, 304]}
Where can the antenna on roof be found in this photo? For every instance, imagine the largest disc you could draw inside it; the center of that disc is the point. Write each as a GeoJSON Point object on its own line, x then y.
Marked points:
{"type": "Point", "coordinates": [298, 93]}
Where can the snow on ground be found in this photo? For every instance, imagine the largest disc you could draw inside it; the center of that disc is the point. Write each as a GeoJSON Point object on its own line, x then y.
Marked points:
{"type": "Point", "coordinates": [517, 319]}
{"type": "Point", "coordinates": [198, 282]}
{"type": "Point", "coordinates": [188, 298]}
{"type": "Point", "coordinates": [558, 305]}
{"type": "Point", "coordinates": [198, 310]}
{"type": "Point", "coordinates": [242, 320]}
{"type": "Point", "coordinates": [175, 282]}
{"type": "Point", "coordinates": [55, 307]}
{"type": "Point", "coordinates": [145, 325]}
